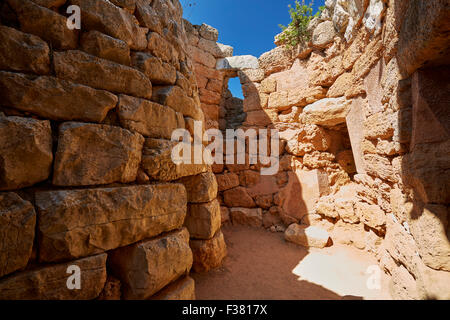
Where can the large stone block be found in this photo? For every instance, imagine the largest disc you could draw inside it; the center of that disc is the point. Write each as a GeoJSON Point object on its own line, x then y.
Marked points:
{"type": "Point", "coordinates": [323, 34]}
{"type": "Point", "coordinates": [23, 52]}
{"type": "Point", "coordinates": [200, 188]}
{"type": "Point", "coordinates": [105, 47]}
{"type": "Point", "coordinates": [238, 197]}
{"type": "Point", "coordinates": [161, 48]}
{"type": "Point", "coordinates": [148, 118]}
{"type": "Point", "coordinates": [147, 267]}
{"type": "Point", "coordinates": [327, 112]}
{"type": "Point", "coordinates": [430, 97]}
{"type": "Point", "coordinates": [50, 282]}
{"type": "Point", "coordinates": [420, 39]}
{"type": "Point", "coordinates": [208, 254]}
{"type": "Point", "coordinates": [307, 236]}
{"type": "Point", "coordinates": [17, 224]}
{"type": "Point", "coordinates": [158, 71]}
{"type": "Point", "coordinates": [90, 154]}
{"type": "Point", "coordinates": [227, 181]}
{"type": "Point", "coordinates": [247, 217]}
{"type": "Point", "coordinates": [371, 215]}
{"type": "Point", "coordinates": [203, 219]}
{"type": "Point", "coordinates": [355, 126]}
{"type": "Point", "coordinates": [182, 289]}
{"type": "Point", "coordinates": [238, 63]}
{"type": "Point", "coordinates": [89, 70]}
{"type": "Point", "coordinates": [25, 152]}
{"type": "Point", "coordinates": [45, 23]}
{"type": "Point", "coordinates": [429, 229]}
{"type": "Point", "coordinates": [302, 191]}
{"type": "Point", "coordinates": [177, 99]}
{"type": "Point", "coordinates": [114, 21]}
{"type": "Point", "coordinates": [77, 223]}
{"type": "Point", "coordinates": [158, 164]}
{"type": "Point", "coordinates": [55, 99]}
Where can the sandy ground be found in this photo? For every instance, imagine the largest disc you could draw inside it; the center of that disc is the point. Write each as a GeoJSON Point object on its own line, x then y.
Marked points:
{"type": "Point", "coordinates": [261, 265]}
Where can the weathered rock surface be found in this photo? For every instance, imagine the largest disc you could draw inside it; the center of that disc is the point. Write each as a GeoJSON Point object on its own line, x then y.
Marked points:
{"type": "Point", "coordinates": [208, 254]}
{"type": "Point", "coordinates": [55, 99]}
{"type": "Point", "coordinates": [307, 236]}
{"type": "Point", "coordinates": [327, 112]}
{"type": "Point", "coordinates": [148, 118]}
{"type": "Point", "coordinates": [238, 62]}
{"type": "Point", "coordinates": [23, 52]}
{"type": "Point", "coordinates": [45, 23]}
{"type": "Point", "coordinates": [50, 282]}
{"type": "Point", "coordinates": [200, 188]}
{"type": "Point", "coordinates": [84, 154]}
{"type": "Point", "coordinates": [25, 152]}
{"type": "Point", "coordinates": [118, 217]}
{"type": "Point", "coordinates": [80, 67]}
{"type": "Point", "coordinates": [177, 99]}
{"type": "Point", "coordinates": [323, 34]}
{"type": "Point", "coordinates": [17, 225]}
{"type": "Point", "coordinates": [203, 219]}
{"type": "Point", "coordinates": [147, 267]}
{"type": "Point", "coordinates": [247, 217]}
{"type": "Point", "coordinates": [158, 163]}
{"type": "Point", "coordinates": [114, 21]}
{"type": "Point", "coordinates": [158, 71]}
{"type": "Point", "coordinates": [182, 289]}
{"type": "Point", "coordinates": [105, 47]}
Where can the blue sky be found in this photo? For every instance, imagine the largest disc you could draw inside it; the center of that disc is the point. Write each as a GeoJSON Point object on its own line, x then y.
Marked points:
{"type": "Point", "coordinates": [247, 25]}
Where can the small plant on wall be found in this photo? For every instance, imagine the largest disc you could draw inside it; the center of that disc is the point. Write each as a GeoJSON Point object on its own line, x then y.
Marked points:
{"type": "Point", "coordinates": [297, 30]}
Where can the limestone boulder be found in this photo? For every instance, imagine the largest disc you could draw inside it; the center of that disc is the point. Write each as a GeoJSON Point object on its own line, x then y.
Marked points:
{"type": "Point", "coordinates": [208, 254]}
{"type": "Point", "coordinates": [114, 21]}
{"type": "Point", "coordinates": [103, 46]}
{"type": "Point", "coordinates": [327, 112]}
{"type": "Point", "coordinates": [178, 100]}
{"type": "Point", "coordinates": [227, 181]}
{"type": "Point", "coordinates": [23, 52]}
{"type": "Point", "coordinates": [323, 34]}
{"type": "Point", "coordinates": [44, 23]}
{"type": "Point", "coordinates": [49, 282]}
{"type": "Point", "coordinates": [371, 215]}
{"type": "Point", "coordinates": [200, 188]}
{"type": "Point", "coordinates": [80, 67]}
{"type": "Point", "coordinates": [276, 60]}
{"type": "Point", "coordinates": [158, 71]}
{"type": "Point", "coordinates": [208, 32]}
{"type": "Point", "coordinates": [157, 162]}
{"type": "Point", "coordinates": [238, 63]}
{"type": "Point", "coordinates": [25, 152]}
{"type": "Point", "coordinates": [84, 155]}
{"type": "Point", "coordinates": [307, 236]}
{"type": "Point", "coordinates": [203, 220]}
{"type": "Point", "coordinates": [117, 217]}
{"type": "Point", "coordinates": [147, 267]}
{"type": "Point", "coordinates": [238, 197]}
{"type": "Point", "coordinates": [148, 118]}
{"type": "Point", "coordinates": [182, 289]}
{"type": "Point", "coordinates": [17, 225]}
{"type": "Point", "coordinates": [247, 217]}
{"type": "Point", "coordinates": [54, 98]}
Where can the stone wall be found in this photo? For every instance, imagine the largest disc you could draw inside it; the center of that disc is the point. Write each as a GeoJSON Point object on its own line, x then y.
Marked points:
{"type": "Point", "coordinates": [362, 111]}
{"type": "Point", "coordinates": [86, 176]}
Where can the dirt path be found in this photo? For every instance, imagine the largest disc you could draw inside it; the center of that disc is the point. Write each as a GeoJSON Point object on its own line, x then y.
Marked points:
{"type": "Point", "coordinates": [261, 265]}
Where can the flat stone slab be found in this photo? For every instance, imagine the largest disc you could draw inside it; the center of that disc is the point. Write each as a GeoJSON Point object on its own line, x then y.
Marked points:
{"type": "Point", "coordinates": [238, 63]}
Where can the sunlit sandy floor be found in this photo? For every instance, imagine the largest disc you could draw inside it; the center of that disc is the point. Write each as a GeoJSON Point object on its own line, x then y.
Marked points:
{"type": "Point", "coordinates": [261, 265]}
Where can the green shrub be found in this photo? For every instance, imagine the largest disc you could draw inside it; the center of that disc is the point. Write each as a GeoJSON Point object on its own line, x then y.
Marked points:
{"type": "Point", "coordinates": [296, 32]}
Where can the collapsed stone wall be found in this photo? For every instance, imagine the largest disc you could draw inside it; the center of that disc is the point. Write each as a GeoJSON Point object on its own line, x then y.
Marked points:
{"type": "Point", "coordinates": [86, 176]}
{"type": "Point", "coordinates": [362, 111]}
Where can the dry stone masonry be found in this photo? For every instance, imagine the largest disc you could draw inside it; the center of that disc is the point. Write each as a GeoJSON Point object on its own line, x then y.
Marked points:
{"type": "Point", "coordinates": [362, 111]}
{"type": "Point", "coordinates": [86, 117]}
{"type": "Point", "coordinates": [86, 176]}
